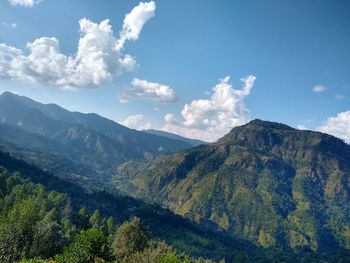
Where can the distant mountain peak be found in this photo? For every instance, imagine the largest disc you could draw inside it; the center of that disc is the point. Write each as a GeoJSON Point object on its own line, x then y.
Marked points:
{"type": "Point", "coordinates": [8, 94]}
{"type": "Point", "coordinates": [255, 129]}
{"type": "Point", "coordinates": [5, 93]}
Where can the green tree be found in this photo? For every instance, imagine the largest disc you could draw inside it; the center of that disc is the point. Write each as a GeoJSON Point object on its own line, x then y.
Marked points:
{"type": "Point", "coordinates": [18, 222]}
{"type": "Point", "coordinates": [3, 185]}
{"type": "Point", "coordinates": [95, 220]}
{"type": "Point", "coordinates": [131, 237]}
{"type": "Point", "coordinates": [83, 217]}
{"type": "Point", "coordinates": [88, 246]}
{"type": "Point", "coordinates": [48, 237]}
{"type": "Point", "coordinates": [110, 227]}
{"type": "Point", "coordinates": [160, 252]}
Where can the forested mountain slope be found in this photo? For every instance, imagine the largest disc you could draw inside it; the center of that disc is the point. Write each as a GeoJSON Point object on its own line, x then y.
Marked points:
{"type": "Point", "coordinates": [163, 224]}
{"type": "Point", "coordinates": [264, 182]}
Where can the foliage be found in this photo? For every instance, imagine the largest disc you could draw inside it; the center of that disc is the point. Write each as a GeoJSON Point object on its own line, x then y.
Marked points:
{"type": "Point", "coordinates": [130, 238]}
{"type": "Point", "coordinates": [30, 220]}
{"type": "Point", "coordinates": [87, 246]}
{"type": "Point", "coordinates": [37, 225]}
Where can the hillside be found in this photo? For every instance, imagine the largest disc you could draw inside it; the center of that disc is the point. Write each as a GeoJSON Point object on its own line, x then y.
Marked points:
{"type": "Point", "coordinates": [88, 141]}
{"type": "Point", "coordinates": [263, 182]}
{"type": "Point", "coordinates": [162, 223]}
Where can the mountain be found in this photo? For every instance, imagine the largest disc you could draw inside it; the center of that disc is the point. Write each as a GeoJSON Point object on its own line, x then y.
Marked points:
{"type": "Point", "coordinates": [263, 182]}
{"type": "Point", "coordinates": [192, 142]}
{"type": "Point", "coordinates": [88, 141]}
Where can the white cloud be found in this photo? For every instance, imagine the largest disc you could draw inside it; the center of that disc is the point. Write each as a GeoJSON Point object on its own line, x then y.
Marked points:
{"type": "Point", "coordinates": [143, 89]}
{"type": "Point", "coordinates": [14, 25]}
{"type": "Point", "coordinates": [137, 122]}
{"type": "Point", "coordinates": [319, 88]}
{"type": "Point", "coordinates": [338, 126]}
{"type": "Point", "coordinates": [210, 119]}
{"type": "Point", "coordinates": [301, 127]}
{"type": "Point", "coordinates": [135, 20]}
{"type": "Point", "coordinates": [24, 3]}
{"type": "Point", "coordinates": [99, 55]}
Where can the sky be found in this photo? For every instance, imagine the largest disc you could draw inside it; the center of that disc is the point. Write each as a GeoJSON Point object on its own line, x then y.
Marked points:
{"type": "Point", "coordinates": [192, 67]}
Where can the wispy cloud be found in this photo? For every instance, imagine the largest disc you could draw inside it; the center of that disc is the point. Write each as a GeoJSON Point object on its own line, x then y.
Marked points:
{"type": "Point", "coordinates": [24, 3]}
{"type": "Point", "coordinates": [143, 89]}
{"type": "Point", "coordinates": [339, 96]}
{"type": "Point", "coordinates": [13, 25]}
{"type": "Point", "coordinates": [209, 119]}
{"type": "Point", "coordinates": [319, 88]}
{"type": "Point", "coordinates": [99, 55]}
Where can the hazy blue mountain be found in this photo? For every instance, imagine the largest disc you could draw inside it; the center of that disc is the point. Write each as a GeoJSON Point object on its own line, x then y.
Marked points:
{"type": "Point", "coordinates": [170, 135]}
{"type": "Point", "coordinates": [86, 140]}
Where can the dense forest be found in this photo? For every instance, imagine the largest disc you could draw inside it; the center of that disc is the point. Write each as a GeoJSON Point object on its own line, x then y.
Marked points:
{"type": "Point", "coordinates": [38, 224]}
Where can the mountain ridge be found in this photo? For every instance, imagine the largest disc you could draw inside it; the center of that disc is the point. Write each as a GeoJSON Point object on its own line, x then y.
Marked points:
{"type": "Point", "coordinates": [85, 139]}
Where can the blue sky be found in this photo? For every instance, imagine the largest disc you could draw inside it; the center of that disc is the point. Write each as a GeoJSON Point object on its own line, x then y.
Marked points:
{"type": "Point", "coordinates": [293, 55]}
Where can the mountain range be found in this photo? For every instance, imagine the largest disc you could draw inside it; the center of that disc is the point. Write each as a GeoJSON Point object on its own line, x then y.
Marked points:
{"type": "Point", "coordinates": [87, 145]}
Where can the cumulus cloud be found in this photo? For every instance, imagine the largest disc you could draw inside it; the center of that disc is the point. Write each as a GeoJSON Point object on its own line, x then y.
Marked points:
{"type": "Point", "coordinates": [135, 20]}
{"type": "Point", "coordinates": [338, 126]}
{"type": "Point", "coordinates": [137, 122]}
{"type": "Point", "coordinates": [143, 89]}
{"type": "Point", "coordinates": [301, 127]}
{"type": "Point", "coordinates": [99, 55]}
{"type": "Point", "coordinates": [24, 3]}
{"type": "Point", "coordinates": [210, 119]}
{"type": "Point", "coordinates": [319, 88]}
